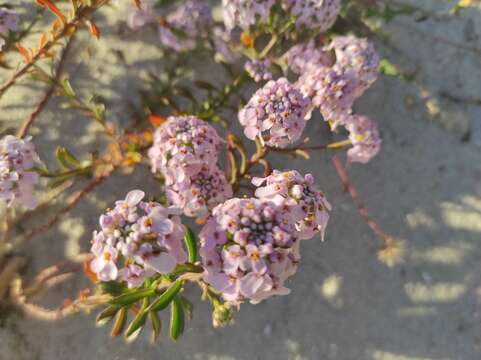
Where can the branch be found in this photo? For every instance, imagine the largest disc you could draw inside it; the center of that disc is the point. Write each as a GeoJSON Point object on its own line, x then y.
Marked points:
{"type": "Point", "coordinates": [41, 105]}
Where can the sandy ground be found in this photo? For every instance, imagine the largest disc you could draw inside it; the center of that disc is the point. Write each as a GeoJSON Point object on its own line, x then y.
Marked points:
{"type": "Point", "coordinates": [424, 187]}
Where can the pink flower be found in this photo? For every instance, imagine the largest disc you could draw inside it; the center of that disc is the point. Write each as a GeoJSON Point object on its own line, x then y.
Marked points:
{"type": "Point", "coordinates": [365, 139]}
{"type": "Point", "coordinates": [259, 70]}
{"type": "Point", "coordinates": [138, 18]}
{"type": "Point", "coordinates": [185, 24]}
{"type": "Point", "coordinates": [17, 180]}
{"type": "Point", "coordinates": [314, 14]}
{"type": "Point", "coordinates": [307, 205]}
{"type": "Point", "coordinates": [201, 192]}
{"type": "Point", "coordinates": [302, 56]}
{"type": "Point", "coordinates": [244, 13]}
{"type": "Point", "coordinates": [331, 89]}
{"type": "Point", "coordinates": [359, 57]}
{"type": "Point", "coordinates": [8, 20]}
{"type": "Point", "coordinates": [276, 114]}
{"type": "Point", "coordinates": [137, 239]}
{"type": "Point", "coordinates": [182, 147]}
{"type": "Point", "coordinates": [239, 246]}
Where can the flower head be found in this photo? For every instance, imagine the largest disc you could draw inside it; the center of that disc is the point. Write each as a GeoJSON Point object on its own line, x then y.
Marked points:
{"type": "Point", "coordinates": [137, 239]}
{"type": "Point", "coordinates": [308, 206]}
{"type": "Point", "coordinates": [184, 24]}
{"type": "Point", "coordinates": [138, 18]}
{"type": "Point", "coordinates": [314, 14]}
{"type": "Point", "coordinates": [244, 13]}
{"type": "Point", "coordinates": [249, 248]}
{"type": "Point", "coordinates": [331, 89]}
{"type": "Point", "coordinates": [276, 114]}
{"type": "Point", "coordinates": [357, 55]}
{"type": "Point", "coordinates": [8, 20]}
{"type": "Point", "coordinates": [200, 193]}
{"type": "Point", "coordinates": [302, 56]}
{"type": "Point", "coordinates": [259, 70]}
{"type": "Point", "coordinates": [182, 146]}
{"type": "Point", "coordinates": [365, 138]}
{"type": "Point", "coordinates": [17, 180]}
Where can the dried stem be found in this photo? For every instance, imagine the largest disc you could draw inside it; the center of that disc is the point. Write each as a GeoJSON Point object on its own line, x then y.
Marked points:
{"type": "Point", "coordinates": [357, 201]}
{"type": "Point", "coordinates": [71, 202]}
{"type": "Point", "coordinates": [41, 105]}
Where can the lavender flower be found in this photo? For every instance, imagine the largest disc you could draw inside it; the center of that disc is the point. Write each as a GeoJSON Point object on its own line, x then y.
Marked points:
{"type": "Point", "coordinates": [8, 22]}
{"type": "Point", "coordinates": [314, 14]}
{"type": "Point", "coordinates": [17, 180]}
{"type": "Point", "coordinates": [331, 89]}
{"type": "Point", "coordinates": [358, 56]}
{"type": "Point", "coordinates": [184, 24]}
{"type": "Point", "coordinates": [308, 206]}
{"type": "Point", "coordinates": [137, 239]}
{"type": "Point", "coordinates": [365, 138]}
{"type": "Point", "coordinates": [221, 38]}
{"type": "Point", "coordinates": [276, 114]}
{"type": "Point", "coordinates": [182, 147]}
{"type": "Point", "coordinates": [301, 57]}
{"type": "Point", "coordinates": [249, 249]}
{"type": "Point", "coordinates": [138, 18]}
{"type": "Point", "coordinates": [259, 70]}
{"type": "Point", "coordinates": [244, 13]}
{"type": "Point", "coordinates": [200, 193]}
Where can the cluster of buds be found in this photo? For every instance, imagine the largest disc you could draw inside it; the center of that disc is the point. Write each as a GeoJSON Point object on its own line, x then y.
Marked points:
{"type": "Point", "coordinates": [259, 70]}
{"type": "Point", "coordinates": [17, 179]}
{"type": "Point", "coordinates": [185, 151]}
{"type": "Point", "coordinates": [137, 239]}
{"type": "Point", "coordinates": [276, 114]}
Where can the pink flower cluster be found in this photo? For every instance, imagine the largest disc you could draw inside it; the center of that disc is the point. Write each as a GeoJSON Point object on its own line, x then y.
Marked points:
{"type": "Point", "coordinates": [244, 13]}
{"type": "Point", "coordinates": [137, 239]}
{"type": "Point", "coordinates": [17, 180]}
{"type": "Point", "coordinates": [250, 247]}
{"type": "Point", "coordinates": [302, 56]}
{"type": "Point", "coordinates": [365, 138]}
{"type": "Point", "coordinates": [333, 88]}
{"type": "Point", "coordinates": [185, 151]}
{"type": "Point", "coordinates": [308, 206]}
{"type": "Point", "coordinates": [259, 70]}
{"type": "Point", "coordinates": [8, 22]}
{"type": "Point", "coordinates": [179, 28]}
{"type": "Point", "coordinates": [276, 114]}
{"type": "Point", "coordinates": [314, 14]}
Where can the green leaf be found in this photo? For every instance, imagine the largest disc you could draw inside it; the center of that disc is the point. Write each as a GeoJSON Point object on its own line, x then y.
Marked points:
{"type": "Point", "coordinates": [67, 88]}
{"type": "Point", "coordinates": [176, 319]}
{"type": "Point", "coordinates": [156, 325]}
{"type": "Point", "coordinates": [139, 320]}
{"type": "Point", "coordinates": [188, 307]}
{"type": "Point", "coordinates": [164, 300]}
{"type": "Point", "coordinates": [119, 322]}
{"type": "Point", "coordinates": [106, 315]}
{"type": "Point", "coordinates": [191, 245]}
{"type": "Point", "coordinates": [388, 68]}
{"type": "Point", "coordinates": [205, 85]}
{"type": "Point", "coordinates": [132, 297]}
{"type": "Point", "coordinates": [112, 287]}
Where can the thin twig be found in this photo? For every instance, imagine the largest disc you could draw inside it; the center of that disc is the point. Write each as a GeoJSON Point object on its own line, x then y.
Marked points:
{"type": "Point", "coordinates": [357, 201]}
{"type": "Point", "coordinates": [71, 202]}
{"type": "Point", "coordinates": [41, 105]}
